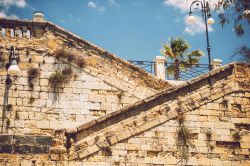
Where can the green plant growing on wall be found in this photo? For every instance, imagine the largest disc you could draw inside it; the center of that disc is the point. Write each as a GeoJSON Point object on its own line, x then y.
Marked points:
{"type": "Point", "coordinates": [70, 57]}
{"type": "Point", "coordinates": [106, 151]}
{"type": "Point", "coordinates": [58, 79]}
{"type": "Point", "coordinates": [7, 123]}
{"type": "Point", "coordinates": [209, 137]}
{"type": "Point", "coordinates": [181, 119]}
{"type": "Point", "coordinates": [80, 62]}
{"type": "Point", "coordinates": [3, 60]}
{"type": "Point", "coordinates": [224, 103]}
{"type": "Point", "coordinates": [60, 53]}
{"type": "Point", "coordinates": [119, 95]}
{"type": "Point", "coordinates": [16, 115]}
{"type": "Point", "coordinates": [9, 107]}
{"type": "Point", "coordinates": [33, 73]}
{"type": "Point", "coordinates": [96, 139]}
{"type": "Point", "coordinates": [184, 139]}
{"type": "Point", "coordinates": [236, 136]}
{"type": "Point", "coordinates": [31, 100]}
{"type": "Point", "coordinates": [27, 52]}
{"type": "Point", "coordinates": [67, 74]}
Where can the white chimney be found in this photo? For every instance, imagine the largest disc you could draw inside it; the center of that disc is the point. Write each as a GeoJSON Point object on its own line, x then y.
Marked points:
{"type": "Point", "coordinates": [38, 16]}
{"type": "Point", "coordinates": [216, 63]}
{"type": "Point", "coordinates": [160, 67]}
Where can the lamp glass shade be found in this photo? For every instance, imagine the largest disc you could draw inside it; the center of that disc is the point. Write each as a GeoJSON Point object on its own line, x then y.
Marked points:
{"type": "Point", "coordinates": [191, 19]}
{"type": "Point", "coordinates": [14, 70]}
{"type": "Point", "coordinates": [210, 21]}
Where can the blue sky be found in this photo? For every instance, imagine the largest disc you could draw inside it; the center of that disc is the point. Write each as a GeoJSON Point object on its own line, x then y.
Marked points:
{"type": "Point", "coordinates": [132, 29]}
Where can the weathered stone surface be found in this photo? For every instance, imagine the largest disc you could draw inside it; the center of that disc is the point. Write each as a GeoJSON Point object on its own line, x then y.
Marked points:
{"type": "Point", "coordinates": [204, 121]}
{"type": "Point", "coordinates": [43, 140]}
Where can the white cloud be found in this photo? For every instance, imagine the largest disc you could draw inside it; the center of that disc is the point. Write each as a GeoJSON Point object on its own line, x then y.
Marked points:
{"type": "Point", "coordinates": [184, 5]}
{"type": "Point", "coordinates": [91, 4]}
{"type": "Point", "coordinates": [101, 9]}
{"type": "Point", "coordinates": [196, 27]}
{"type": "Point", "coordinates": [113, 3]}
{"type": "Point", "coordinates": [98, 8]}
{"type": "Point", "coordinates": [3, 14]}
{"type": "Point", "coordinates": [17, 3]}
{"type": "Point", "coordinates": [6, 4]}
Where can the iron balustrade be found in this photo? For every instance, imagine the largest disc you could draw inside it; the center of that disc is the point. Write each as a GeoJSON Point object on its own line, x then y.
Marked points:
{"type": "Point", "coordinates": [187, 72]}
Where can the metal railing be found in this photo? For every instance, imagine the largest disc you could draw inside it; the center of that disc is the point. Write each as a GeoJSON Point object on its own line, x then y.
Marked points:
{"type": "Point", "coordinates": [187, 71]}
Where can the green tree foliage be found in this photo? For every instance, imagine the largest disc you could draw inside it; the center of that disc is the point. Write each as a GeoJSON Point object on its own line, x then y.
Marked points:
{"type": "Point", "coordinates": [177, 53]}
{"type": "Point", "coordinates": [244, 53]}
{"type": "Point", "coordinates": [236, 11]}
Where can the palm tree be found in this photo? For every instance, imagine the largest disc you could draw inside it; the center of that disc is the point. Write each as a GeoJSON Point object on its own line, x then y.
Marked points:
{"type": "Point", "coordinates": [177, 52]}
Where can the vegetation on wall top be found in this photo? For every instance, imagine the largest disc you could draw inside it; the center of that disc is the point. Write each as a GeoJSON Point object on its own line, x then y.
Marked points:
{"type": "Point", "coordinates": [2, 60]}
{"type": "Point", "coordinates": [70, 57]}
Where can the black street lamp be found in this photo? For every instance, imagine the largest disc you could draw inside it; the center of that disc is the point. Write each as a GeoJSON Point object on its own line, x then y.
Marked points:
{"type": "Point", "coordinates": [205, 10]}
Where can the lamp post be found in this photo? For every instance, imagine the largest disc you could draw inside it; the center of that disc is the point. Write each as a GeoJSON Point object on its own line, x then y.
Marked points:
{"type": "Point", "coordinates": [13, 70]}
{"type": "Point", "coordinates": [12, 66]}
{"type": "Point", "coordinates": [205, 10]}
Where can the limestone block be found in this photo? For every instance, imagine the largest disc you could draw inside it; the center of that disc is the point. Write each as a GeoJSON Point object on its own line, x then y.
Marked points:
{"type": "Point", "coordinates": [44, 82]}
{"type": "Point", "coordinates": [170, 160]}
{"type": "Point", "coordinates": [49, 59]}
{"type": "Point", "coordinates": [31, 115]}
{"type": "Point", "coordinates": [92, 105]}
{"type": "Point", "coordinates": [76, 104]}
{"type": "Point", "coordinates": [130, 146]}
{"type": "Point", "coordinates": [19, 123]}
{"type": "Point", "coordinates": [85, 112]}
{"type": "Point", "coordinates": [91, 85]}
{"type": "Point", "coordinates": [105, 86]}
{"type": "Point", "coordinates": [104, 164]}
{"type": "Point", "coordinates": [106, 106]}
{"type": "Point", "coordinates": [30, 124]}
{"type": "Point", "coordinates": [43, 124]}
{"type": "Point", "coordinates": [77, 90]}
{"type": "Point", "coordinates": [84, 97]}
{"type": "Point", "coordinates": [56, 125]}
{"type": "Point", "coordinates": [68, 124]}
{"type": "Point", "coordinates": [23, 115]}
{"type": "Point", "coordinates": [222, 131]}
{"type": "Point", "coordinates": [75, 163]}
{"type": "Point", "coordinates": [54, 157]}
{"type": "Point", "coordinates": [115, 106]}
{"type": "Point", "coordinates": [80, 118]}
{"type": "Point", "coordinates": [23, 94]}
{"type": "Point", "coordinates": [96, 98]}
{"type": "Point", "coordinates": [90, 163]}
{"type": "Point", "coordinates": [213, 106]}
{"type": "Point", "coordinates": [245, 145]}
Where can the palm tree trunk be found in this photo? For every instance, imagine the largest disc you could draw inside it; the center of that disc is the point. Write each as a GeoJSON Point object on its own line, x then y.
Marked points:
{"type": "Point", "coordinates": [176, 69]}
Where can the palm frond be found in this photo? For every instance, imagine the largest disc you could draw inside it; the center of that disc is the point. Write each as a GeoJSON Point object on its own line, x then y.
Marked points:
{"type": "Point", "coordinates": [179, 46]}
{"type": "Point", "coordinates": [167, 50]}
{"type": "Point", "coordinates": [170, 70]}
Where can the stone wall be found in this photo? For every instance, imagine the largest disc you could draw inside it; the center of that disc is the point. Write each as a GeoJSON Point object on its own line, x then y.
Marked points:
{"type": "Point", "coordinates": [215, 134]}
{"type": "Point", "coordinates": [109, 112]}
{"type": "Point", "coordinates": [103, 83]}
{"type": "Point", "coordinates": [205, 122]}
